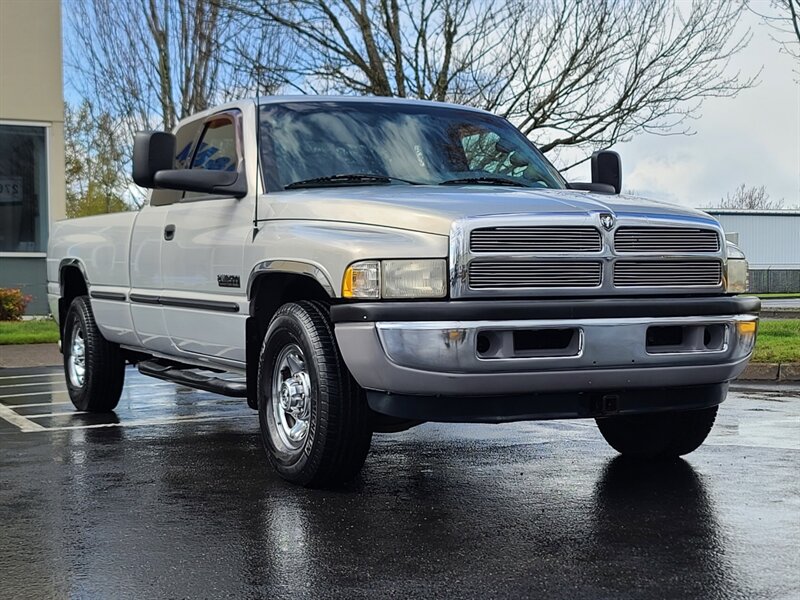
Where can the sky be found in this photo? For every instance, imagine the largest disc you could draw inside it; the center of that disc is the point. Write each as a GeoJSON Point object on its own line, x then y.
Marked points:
{"type": "Point", "coordinates": [753, 138]}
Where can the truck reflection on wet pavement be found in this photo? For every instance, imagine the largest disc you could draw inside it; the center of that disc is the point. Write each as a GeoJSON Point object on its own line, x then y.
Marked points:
{"type": "Point", "coordinates": [171, 496]}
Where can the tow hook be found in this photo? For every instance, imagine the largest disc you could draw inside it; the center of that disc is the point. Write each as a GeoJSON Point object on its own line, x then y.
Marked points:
{"type": "Point", "coordinates": [604, 404]}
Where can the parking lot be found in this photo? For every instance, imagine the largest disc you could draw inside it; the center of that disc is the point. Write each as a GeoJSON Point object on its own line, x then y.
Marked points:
{"type": "Point", "coordinates": [172, 496]}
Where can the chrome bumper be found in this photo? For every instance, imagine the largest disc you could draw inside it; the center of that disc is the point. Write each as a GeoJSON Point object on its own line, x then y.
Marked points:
{"type": "Point", "coordinates": [443, 357]}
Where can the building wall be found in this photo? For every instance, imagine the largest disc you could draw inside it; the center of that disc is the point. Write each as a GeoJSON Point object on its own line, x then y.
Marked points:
{"type": "Point", "coordinates": [771, 242]}
{"type": "Point", "coordinates": [31, 96]}
{"type": "Point", "coordinates": [29, 275]}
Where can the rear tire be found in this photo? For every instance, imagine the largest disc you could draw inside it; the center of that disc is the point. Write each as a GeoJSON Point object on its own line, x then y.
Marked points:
{"type": "Point", "coordinates": [658, 435]}
{"type": "Point", "coordinates": [94, 367]}
{"type": "Point", "coordinates": [314, 417]}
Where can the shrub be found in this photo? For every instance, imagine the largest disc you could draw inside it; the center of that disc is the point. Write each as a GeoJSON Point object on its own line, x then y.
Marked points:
{"type": "Point", "coordinates": [12, 304]}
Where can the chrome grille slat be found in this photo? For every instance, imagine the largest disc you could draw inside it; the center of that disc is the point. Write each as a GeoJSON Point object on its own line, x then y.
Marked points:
{"type": "Point", "coordinates": [563, 254]}
{"type": "Point", "coordinates": [536, 239]}
{"type": "Point", "coordinates": [534, 274]}
{"type": "Point", "coordinates": [666, 240]}
{"type": "Point", "coordinates": [672, 273]}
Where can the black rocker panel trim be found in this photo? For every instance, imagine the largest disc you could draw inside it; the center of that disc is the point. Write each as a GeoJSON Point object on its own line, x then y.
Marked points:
{"type": "Point", "coordinates": [119, 296]}
{"type": "Point", "coordinates": [144, 299]}
{"type": "Point", "coordinates": [213, 305]}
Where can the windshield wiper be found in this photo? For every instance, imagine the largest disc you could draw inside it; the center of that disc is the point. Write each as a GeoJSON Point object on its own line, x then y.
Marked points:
{"type": "Point", "coordinates": [484, 180]}
{"type": "Point", "coordinates": [346, 179]}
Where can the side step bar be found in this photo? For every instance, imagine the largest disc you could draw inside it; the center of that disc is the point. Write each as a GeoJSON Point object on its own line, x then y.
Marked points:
{"type": "Point", "coordinates": [186, 376]}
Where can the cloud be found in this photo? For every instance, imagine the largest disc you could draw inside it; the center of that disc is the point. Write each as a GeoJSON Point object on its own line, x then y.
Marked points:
{"type": "Point", "coordinates": [752, 139]}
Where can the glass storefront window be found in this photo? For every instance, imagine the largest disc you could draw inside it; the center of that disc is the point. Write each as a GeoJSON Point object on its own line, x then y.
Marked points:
{"type": "Point", "coordinates": [23, 189]}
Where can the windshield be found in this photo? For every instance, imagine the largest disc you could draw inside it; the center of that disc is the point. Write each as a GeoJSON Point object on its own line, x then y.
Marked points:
{"type": "Point", "coordinates": [381, 143]}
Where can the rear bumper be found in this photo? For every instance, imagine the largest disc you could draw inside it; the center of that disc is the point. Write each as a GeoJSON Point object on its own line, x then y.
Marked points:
{"type": "Point", "coordinates": [403, 348]}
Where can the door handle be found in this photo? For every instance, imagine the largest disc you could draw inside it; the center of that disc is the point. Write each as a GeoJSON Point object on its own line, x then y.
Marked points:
{"type": "Point", "coordinates": [169, 232]}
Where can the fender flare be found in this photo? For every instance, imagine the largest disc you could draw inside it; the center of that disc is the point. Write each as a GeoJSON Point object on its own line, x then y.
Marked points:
{"type": "Point", "coordinates": [294, 267]}
{"type": "Point", "coordinates": [71, 262]}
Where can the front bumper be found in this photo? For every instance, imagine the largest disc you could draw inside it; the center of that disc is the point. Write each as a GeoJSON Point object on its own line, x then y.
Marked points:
{"type": "Point", "coordinates": [409, 348]}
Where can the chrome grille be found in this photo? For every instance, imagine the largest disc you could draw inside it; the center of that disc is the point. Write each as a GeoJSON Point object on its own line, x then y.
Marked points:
{"type": "Point", "coordinates": [665, 240]}
{"type": "Point", "coordinates": [534, 274]}
{"type": "Point", "coordinates": [672, 273]}
{"type": "Point", "coordinates": [536, 239]}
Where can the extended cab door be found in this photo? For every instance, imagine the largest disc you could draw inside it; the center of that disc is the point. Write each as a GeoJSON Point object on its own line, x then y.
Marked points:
{"type": "Point", "coordinates": [145, 254]}
{"type": "Point", "coordinates": [204, 297]}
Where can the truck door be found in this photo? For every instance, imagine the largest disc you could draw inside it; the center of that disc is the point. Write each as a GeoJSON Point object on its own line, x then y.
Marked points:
{"type": "Point", "coordinates": [204, 296]}
{"type": "Point", "coordinates": [145, 263]}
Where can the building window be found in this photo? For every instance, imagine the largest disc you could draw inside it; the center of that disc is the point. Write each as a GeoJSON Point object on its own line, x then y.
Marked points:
{"type": "Point", "coordinates": [23, 189]}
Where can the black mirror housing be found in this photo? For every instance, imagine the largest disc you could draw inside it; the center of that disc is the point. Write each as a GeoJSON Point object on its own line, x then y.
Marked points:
{"type": "Point", "coordinates": [154, 168]}
{"type": "Point", "coordinates": [224, 183]}
{"type": "Point", "coordinates": [607, 169]}
{"type": "Point", "coordinates": [153, 151]}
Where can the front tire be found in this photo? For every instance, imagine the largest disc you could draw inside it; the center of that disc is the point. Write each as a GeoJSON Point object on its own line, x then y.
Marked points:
{"type": "Point", "coordinates": [94, 367]}
{"type": "Point", "coordinates": [314, 417]}
{"type": "Point", "coordinates": [658, 435]}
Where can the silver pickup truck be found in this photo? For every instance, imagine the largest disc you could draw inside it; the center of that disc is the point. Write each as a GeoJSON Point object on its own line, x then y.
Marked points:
{"type": "Point", "coordinates": [360, 265]}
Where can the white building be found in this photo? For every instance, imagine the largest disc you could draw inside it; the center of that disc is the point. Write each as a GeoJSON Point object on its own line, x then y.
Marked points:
{"type": "Point", "coordinates": [31, 142]}
{"type": "Point", "coordinates": [771, 241]}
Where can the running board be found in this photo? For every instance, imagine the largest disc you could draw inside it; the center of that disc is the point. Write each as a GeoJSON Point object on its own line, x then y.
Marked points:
{"type": "Point", "coordinates": [186, 376]}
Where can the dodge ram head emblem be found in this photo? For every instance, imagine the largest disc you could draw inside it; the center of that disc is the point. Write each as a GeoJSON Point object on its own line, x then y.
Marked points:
{"type": "Point", "coordinates": [607, 220]}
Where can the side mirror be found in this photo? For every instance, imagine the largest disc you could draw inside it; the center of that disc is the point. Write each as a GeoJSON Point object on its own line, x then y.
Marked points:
{"type": "Point", "coordinates": [154, 162]}
{"type": "Point", "coordinates": [153, 151]}
{"type": "Point", "coordinates": [607, 169]}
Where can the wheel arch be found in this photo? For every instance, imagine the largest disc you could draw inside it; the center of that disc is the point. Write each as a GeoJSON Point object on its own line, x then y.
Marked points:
{"type": "Point", "coordinates": [270, 285]}
{"type": "Point", "coordinates": [73, 282]}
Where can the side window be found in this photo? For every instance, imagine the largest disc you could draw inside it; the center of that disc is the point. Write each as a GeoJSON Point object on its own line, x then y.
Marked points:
{"type": "Point", "coordinates": [185, 137]}
{"type": "Point", "coordinates": [217, 148]}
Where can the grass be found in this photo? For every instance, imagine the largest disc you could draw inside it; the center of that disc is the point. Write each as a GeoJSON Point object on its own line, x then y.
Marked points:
{"type": "Point", "coordinates": [778, 341]}
{"type": "Point", "coordinates": [782, 295]}
{"type": "Point", "coordinates": [37, 331]}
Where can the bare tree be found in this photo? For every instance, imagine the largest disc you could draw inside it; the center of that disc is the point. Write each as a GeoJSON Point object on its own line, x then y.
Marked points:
{"type": "Point", "coordinates": [569, 73]}
{"type": "Point", "coordinates": [149, 63]}
{"type": "Point", "coordinates": [784, 20]}
{"type": "Point", "coordinates": [750, 198]}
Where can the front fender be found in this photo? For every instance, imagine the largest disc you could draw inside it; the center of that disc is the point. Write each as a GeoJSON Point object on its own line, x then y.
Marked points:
{"type": "Point", "coordinates": [324, 249]}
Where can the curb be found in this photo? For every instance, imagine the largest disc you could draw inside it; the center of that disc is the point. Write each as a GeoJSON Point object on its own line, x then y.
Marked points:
{"type": "Point", "coordinates": [775, 314]}
{"type": "Point", "coordinates": [771, 372]}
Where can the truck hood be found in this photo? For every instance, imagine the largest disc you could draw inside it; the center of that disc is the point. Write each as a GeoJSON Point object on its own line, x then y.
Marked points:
{"type": "Point", "coordinates": [432, 209]}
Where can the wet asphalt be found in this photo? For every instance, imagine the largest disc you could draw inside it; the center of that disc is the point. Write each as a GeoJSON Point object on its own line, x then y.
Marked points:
{"type": "Point", "coordinates": [172, 497]}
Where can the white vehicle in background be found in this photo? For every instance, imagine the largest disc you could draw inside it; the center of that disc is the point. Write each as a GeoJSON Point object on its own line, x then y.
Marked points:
{"type": "Point", "coordinates": [355, 265]}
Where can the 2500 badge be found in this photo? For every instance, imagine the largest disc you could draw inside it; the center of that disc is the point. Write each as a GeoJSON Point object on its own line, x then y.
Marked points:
{"type": "Point", "coordinates": [229, 281]}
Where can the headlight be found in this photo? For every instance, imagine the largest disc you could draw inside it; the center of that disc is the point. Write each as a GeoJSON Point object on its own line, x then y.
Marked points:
{"type": "Point", "coordinates": [362, 280]}
{"type": "Point", "coordinates": [737, 271]}
{"type": "Point", "coordinates": [416, 278]}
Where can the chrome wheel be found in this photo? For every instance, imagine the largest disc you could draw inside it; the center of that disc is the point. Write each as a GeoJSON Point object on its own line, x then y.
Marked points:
{"type": "Point", "coordinates": [291, 398]}
{"type": "Point", "coordinates": [76, 364]}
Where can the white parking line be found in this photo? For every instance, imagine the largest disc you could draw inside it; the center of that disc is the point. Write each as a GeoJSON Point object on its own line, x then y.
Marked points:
{"type": "Point", "coordinates": [4, 386]}
{"type": "Point", "coordinates": [61, 383]}
{"type": "Point", "coordinates": [141, 422]}
{"type": "Point", "coordinates": [16, 406]}
{"type": "Point", "coordinates": [34, 394]}
{"type": "Point", "coordinates": [68, 413]}
{"type": "Point", "coordinates": [18, 420]}
{"type": "Point", "coordinates": [27, 376]}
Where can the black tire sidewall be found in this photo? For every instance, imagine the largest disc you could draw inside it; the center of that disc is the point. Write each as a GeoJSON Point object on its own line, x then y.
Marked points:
{"type": "Point", "coordinates": [76, 319]}
{"type": "Point", "coordinates": [287, 329]}
{"type": "Point", "coordinates": [104, 374]}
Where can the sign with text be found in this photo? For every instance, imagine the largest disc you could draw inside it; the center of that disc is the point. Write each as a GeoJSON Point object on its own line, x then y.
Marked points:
{"type": "Point", "coordinates": [10, 190]}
